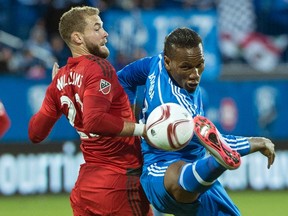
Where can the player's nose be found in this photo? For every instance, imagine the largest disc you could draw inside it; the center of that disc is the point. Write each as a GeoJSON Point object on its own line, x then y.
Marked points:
{"type": "Point", "coordinates": [194, 74]}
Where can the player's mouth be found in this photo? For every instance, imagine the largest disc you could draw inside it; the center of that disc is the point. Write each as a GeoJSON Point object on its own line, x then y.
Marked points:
{"type": "Point", "coordinates": [104, 43]}
{"type": "Point", "coordinates": [192, 84]}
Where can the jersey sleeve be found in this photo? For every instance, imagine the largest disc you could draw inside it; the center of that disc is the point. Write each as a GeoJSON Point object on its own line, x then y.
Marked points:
{"type": "Point", "coordinates": [133, 75]}
{"type": "Point", "coordinates": [100, 91]}
{"type": "Point", "coordinates": [40, 126]}
{"type": "Point", "coordinates": [96, 117]}
{"type": "Point", "coordinates": [238, 143]}
{"type": "Point", "coordinates": [43, 121]}
{"type": "Point", "coordinates": [49, 106]}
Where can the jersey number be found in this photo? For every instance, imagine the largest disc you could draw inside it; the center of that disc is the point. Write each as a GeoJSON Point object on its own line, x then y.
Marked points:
{"type": "Point", "coordinates": [72, 113]}
{"type": "Point", "coordinates": [71, 107]}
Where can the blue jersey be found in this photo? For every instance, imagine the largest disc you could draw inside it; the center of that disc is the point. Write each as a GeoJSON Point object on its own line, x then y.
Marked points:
{"type": "Point", "coordinates": [161, 88]}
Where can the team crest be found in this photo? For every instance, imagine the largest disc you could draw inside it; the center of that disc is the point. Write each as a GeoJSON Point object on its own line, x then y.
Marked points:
{"type": "Point", "coordinates": [105, 86]}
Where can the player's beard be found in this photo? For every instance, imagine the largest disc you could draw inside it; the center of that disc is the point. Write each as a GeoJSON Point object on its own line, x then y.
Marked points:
{"type": "Point", "coordinates": [98, 50]}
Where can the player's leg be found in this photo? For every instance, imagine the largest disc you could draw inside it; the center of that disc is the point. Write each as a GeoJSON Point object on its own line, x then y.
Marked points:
{"type": "Point", "coordinates": [137, 202]}
{"type": "Point", "coordinates": [79, 206]}
{"type": "Point", "coordinates": [160, 197]}
{"type": "Point", "coordinates": [186, 181]}
{"type": "Point", "coordinates": [78, 209]}
{"type": "Point", "coordinates": [199, 176]}
{"type": "Point", "coordinates": [161, 184]}
{"type": "Point", "coordinates": [102, 191]}
{"type": "Point", "coordinates": [216, 201]}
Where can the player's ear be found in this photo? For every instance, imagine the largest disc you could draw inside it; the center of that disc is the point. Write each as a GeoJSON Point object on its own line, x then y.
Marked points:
{"type": "Point", "coordinates": [76, 37]}
{"type": "Point", "coordinates": [167, 62]}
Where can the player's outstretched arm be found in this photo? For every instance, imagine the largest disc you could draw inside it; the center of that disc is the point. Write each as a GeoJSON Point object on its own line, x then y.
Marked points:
{"type": "Point", "coordinates": [265, 146]}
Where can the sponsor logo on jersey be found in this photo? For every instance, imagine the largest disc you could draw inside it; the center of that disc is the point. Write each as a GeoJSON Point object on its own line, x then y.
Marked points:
{"type": "Point", "coordinates": [105, 86]}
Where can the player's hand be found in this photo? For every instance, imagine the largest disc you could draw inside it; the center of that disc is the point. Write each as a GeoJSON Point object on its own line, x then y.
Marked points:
{"type": "Point", "coordinates": [55, 70]}
{"type": "Point", "coordinates": [268, 151]}
{"type": "Point", "coordinates": [265, 146]}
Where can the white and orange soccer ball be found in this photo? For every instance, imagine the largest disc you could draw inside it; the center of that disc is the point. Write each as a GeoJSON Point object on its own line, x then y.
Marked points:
{"type": "Point", "coordinates": [169, 127]}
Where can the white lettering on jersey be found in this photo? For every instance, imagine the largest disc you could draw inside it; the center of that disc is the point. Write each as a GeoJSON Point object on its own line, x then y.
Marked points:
{"type": "Point", "coordinates": [152, 78]}
{"type": "Point", "coordinates": [72, 79]}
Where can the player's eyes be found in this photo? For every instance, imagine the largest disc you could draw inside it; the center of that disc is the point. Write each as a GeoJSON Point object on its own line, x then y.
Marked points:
{"type": "Point", "coordinates": [200, 65]}
{"type": "Point", "coordinates": [98, 27]}
{"type": "Point", "coordinates": [185, 67]}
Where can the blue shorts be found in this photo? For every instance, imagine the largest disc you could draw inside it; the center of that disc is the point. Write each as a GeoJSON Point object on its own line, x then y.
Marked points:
{"type": "Point", "coordinates": [214, 201]}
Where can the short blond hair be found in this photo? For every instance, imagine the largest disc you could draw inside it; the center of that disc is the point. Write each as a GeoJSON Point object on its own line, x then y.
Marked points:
{"type": "Point", "coordinates": [74, 20]}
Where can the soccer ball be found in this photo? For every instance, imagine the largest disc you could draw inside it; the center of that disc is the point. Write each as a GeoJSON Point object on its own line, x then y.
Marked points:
{"type": "Point", "coordinates": [169, 127]}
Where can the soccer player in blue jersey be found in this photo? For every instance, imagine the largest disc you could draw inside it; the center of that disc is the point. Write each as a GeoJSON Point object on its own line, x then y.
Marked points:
{"type": "Point", "coordinates": [185, 182]}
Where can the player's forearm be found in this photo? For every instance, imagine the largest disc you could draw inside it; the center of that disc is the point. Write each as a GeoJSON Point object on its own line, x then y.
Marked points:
{"type": "Point", "coordinates": [257, 143]}
{"type": "Point", "coordinates": [109, 125]}
{"type": "Point", "coordinates": [265, 147]}
{"type": "Point", "coordinates": [133, 129]}
{"type": "Point", "coordinates": [102, 123]}
{"type": "Point", "coordinates": [238, 143]}
{"type": "Point", "coordinates": [39, 127]}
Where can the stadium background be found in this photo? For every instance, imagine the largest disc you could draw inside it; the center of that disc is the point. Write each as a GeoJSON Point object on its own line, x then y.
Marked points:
{"type": "Point", "coordinates": [245, 81]}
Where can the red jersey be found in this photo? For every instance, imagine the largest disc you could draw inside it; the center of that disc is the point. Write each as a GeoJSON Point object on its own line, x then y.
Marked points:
{"type": "Point", "coordinates": [88, 93]}
{"type": "Point", "coordinates": [4, 120]}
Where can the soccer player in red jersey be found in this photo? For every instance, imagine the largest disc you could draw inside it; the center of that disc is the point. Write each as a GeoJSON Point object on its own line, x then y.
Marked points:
{"type": "Point", "coordinates": [5, 121]}
{"type": "Point", "coordinates": [86, 90]}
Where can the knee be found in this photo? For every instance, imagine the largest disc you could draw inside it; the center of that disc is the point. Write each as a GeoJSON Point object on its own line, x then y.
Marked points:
{"type": "Point", "coordinates": [172, 186]}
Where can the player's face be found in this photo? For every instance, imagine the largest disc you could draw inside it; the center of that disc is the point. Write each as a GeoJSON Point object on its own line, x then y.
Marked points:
{"type": "Point", "coordinates": [186, 67]}
{"type": "Point", "coordinates": [95, 37]}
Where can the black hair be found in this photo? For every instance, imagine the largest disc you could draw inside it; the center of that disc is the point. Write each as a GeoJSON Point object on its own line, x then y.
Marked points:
{"type": "Point", "coordinates": [181, 38]}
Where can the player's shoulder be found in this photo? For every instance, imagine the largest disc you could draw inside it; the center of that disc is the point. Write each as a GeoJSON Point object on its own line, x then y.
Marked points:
{"type": "Point", "coordinates": [152, 60]}
{"type": "Point", "coordinates": [96, 66]}
{"type": "Point", "coordinates": [54, 87]}
{"type": "Point", "coordinates": [95, 61]}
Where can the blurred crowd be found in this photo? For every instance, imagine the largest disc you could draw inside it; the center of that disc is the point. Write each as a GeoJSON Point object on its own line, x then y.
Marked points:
{"type": "Point", "coordinates": [251, 31]}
